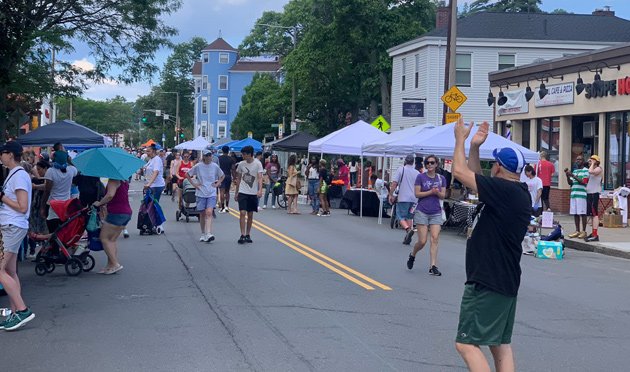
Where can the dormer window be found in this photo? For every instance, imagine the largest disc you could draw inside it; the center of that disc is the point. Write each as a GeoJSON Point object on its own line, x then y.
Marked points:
{"type": "Point", "coordinates": [224, 58]}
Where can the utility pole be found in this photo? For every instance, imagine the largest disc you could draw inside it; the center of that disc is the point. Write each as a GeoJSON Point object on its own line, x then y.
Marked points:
{"type": "Point", "coordinates": [451, 53]}
{"type": "Point", "coordinates": [177, 122]}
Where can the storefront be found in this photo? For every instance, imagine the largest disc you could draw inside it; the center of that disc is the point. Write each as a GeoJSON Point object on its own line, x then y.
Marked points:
{"type": "Point", "coordinates": [584, 110]}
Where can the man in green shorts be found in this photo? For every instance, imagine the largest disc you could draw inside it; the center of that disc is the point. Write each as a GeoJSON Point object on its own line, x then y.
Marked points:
{"type": "Point", "coordinates": [493, 251]}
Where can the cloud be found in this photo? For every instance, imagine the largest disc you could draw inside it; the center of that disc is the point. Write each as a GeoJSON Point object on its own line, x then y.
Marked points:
{"type": "Point", "coordinates": [83, 64]}
{"type": "Point", "coordinates": [111, 89]}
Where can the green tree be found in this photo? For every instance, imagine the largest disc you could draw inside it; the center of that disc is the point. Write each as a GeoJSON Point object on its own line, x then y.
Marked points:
{"type": "Point", "coordinates": [265, 102]}
{"type": "Point", "coordinates": [560, 11]}
{"type": "Point", "coordinates": [512, 6]}
{"type": "Point", "coordinates": [119, 33]}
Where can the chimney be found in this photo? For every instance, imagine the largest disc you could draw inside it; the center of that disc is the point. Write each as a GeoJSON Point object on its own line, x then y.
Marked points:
{"type": "Point", "coordinates": [604, 12]}
{"type": "Point", "coordinates": [442, 17]}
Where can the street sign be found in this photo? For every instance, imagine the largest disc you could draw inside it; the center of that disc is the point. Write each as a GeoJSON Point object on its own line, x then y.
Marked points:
{"type": "Point", "coordinates": [280, 130]}
{"type": "Point", "coordinates": [275, 125]}
{"type": "Point", "coordinates": [454, 98]}
{"type": "Point", "coordinates": [158, 112]}
{"type": "Point", "coordinates": [293, 126]}
{"type": "Point", "coordinates": [167, 116]}
{"type": "Point", "coordinates": [452, 117]}
{"type": "Point", "coordinates": [381, 124]}
{"type": "Point", "coordinates": [250, 135]}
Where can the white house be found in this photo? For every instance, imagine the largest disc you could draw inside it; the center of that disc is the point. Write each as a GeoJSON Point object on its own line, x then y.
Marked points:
{"type": "Point", "coordinates": [487, 42]}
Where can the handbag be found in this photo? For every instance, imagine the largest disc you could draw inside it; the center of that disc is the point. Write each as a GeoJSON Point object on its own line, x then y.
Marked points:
{"type": "Point", "coordinates": [93, 223]}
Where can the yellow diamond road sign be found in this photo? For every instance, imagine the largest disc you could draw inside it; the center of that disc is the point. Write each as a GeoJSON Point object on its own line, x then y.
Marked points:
{"type": "Point", "coordinates": [454, 98]}
{"type": "Point", "coordinates": [381, 124]}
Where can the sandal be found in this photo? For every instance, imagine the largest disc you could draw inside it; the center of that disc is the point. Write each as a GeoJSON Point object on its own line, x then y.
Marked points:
{"type": "Point", "coordinates": [111, 271]}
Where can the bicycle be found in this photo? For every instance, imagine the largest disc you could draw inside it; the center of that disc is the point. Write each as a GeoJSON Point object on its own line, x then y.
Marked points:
{"type": "Point", "coordinates": [454, 97]}
{"type": "Point", "coordinates": [278, 191]}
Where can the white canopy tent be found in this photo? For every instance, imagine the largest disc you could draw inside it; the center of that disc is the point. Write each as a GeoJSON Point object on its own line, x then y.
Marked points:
{"type": "Point", "coordinates": [197, 144]}
{"type": "Point", "coordinates": [440, 141]}
{"type": "Point", "coordinates": [398, 143]}
{"type": "Point", "coordinates": [348, 140]}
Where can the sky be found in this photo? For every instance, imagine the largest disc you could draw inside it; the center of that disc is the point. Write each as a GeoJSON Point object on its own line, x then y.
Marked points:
{"type": "Point", "coordinates": [234, 19]}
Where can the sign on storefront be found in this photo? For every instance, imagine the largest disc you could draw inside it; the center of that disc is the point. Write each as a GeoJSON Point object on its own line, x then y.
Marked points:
{"type": "Point", "coordinates": [558, 94]}
{"type": "Point", "coordinates": [413, 109]}
{"type": "Point", "coordinates": [516, 103]}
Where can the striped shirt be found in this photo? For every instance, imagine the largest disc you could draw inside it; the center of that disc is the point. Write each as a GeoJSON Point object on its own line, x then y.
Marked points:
{"type": "Point", "coordinates": [578, 189]}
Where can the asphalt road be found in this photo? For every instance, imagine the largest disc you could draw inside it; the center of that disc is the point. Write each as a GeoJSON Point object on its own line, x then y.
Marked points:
{"type": "Point", "coordinates": [311, 293]}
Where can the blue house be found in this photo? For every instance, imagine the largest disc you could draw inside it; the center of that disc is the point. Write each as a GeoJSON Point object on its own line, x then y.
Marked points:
{"type": "Point", "coordinates": [220, 77]}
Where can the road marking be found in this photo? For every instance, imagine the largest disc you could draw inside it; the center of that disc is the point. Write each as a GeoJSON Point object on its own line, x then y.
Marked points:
{"type": "Point", "coordinates": [311, 253]}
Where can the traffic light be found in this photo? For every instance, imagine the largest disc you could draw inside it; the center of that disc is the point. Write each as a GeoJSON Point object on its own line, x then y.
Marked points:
{"type": "Point", "coordinates": [144, 120]}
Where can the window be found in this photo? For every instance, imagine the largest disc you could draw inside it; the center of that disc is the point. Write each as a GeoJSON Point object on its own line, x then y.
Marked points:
{"type": "Point", "coordinates": [223, 105]}
{"type": "Point", "coordinates": [204, 129]}
{"type": "Point", "coordinates": [197, 85]}
{"type": "Point", "coordinates": [222, 126]}
{"type": "Point", "coordinates": [617, 148]}
{"type": "Point", "coordinates": [525, 130]}
{"type": "Point", "coordinates": [417, 74]}
{"type": "Point", "coordinates": [224, 58]}
{"type": "Point", "coordinates": [506, 61]}
{"type": "Point", "coordinates": [204, 105]}
{"type": "Point", "coordinates": [223, 82]}
{"type": "Point", "coordinates": [204, 83]}
{"type": "Point", "coordinates": [463, 67]}
{"type": "Point", "coordinates": [206, 58]}
{"type": "Point", "coordinates": [404, 72]}
{"type": "Point", "coordinates": [549, 141]}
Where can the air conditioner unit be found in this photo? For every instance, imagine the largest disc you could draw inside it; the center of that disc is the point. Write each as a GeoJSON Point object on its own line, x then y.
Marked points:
{"type": "Point", "coordinates": [588, 129]}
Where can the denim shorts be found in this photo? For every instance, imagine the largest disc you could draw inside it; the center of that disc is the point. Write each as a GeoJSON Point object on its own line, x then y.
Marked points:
{"type": "Point", "coordinates": [118, 219]}
{"type": "Point", "coordinates": [12, 237]}
{"type": "Point", "coordinates": [421, 218]}
{"type": "Point", "coordinates": [402, 210]}
{"type": "Point", "coordinates": [205, 203]}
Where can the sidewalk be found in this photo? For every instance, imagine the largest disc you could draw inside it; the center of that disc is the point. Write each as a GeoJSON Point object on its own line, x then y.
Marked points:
{"type": "Point", "coordinates": [613, 242]}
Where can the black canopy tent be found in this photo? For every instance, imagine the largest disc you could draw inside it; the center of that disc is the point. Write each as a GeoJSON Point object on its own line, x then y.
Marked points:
{"type": "Point", "coordinates": [296, 142]}
{"type": "Point", "coordinates": [68, 132]}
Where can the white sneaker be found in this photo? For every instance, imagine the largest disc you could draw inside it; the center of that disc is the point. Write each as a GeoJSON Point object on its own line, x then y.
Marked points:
{"type": "Point", "coordinates": [226, 210]}
{"type": "Point", "coordinates": [209, 238]}
{"type": "Point", "coordinates": [273, 207]}
{"type": "Point", "coordinates": [203, 238]}
{"type": "Point", "coordinates": [264, 206]}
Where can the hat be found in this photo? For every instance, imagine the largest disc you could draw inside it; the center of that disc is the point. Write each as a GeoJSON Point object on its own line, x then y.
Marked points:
{"type": "Point", "coordinates": [410, 159]}
{"type": "Point", "coordinates": [510, 159]}
{"type": "Point", "coordinates": [206, 152]}
{"type": "Point", "coordinates": [60, 157]}
{"type": "Point", "coordinates": [596, 158]}
{"type": "Point", "coordinates": [12, 147]}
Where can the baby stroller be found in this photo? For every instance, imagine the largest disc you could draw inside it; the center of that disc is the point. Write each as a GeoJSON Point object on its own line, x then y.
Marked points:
{"type": "Point", "coordinates": [62, 245]}
{"type": "Point", "coordinates": [150, 217]}
{"type": "Point", "coordinates": [187, 203]}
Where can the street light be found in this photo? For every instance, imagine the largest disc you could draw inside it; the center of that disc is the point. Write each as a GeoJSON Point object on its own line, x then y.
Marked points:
{"type": "Point", "coordinates": [177, 123]}
{"type": "Point", "coordinates": [293, 35]}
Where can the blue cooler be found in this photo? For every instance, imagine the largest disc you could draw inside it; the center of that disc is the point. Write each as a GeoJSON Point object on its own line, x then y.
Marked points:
{"type": "Point", "coordinates": [550, 250]}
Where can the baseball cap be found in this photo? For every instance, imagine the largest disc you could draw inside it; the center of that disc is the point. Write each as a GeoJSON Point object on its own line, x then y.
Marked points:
{"type": "Point", "coordinates": [12, 147]}
{"type": "Point", "coordinates": [510, 159]}
{"type": "Point", "coordinates": [206, 152]}
{"type": "Point", "coordinates": [596, 158]}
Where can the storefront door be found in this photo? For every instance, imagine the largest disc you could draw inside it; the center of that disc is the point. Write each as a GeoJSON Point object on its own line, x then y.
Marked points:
{"type": "Point", "coordinates": [584, 136]}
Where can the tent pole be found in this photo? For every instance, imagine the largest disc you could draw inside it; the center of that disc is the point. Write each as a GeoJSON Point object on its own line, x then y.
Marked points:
{"type": "Point", "coordinates": [380, 200]}
{"type": "Point", "coordinates": [361, 190]}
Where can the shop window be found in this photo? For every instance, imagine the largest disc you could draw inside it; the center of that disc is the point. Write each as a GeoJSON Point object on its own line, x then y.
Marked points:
{"type": "Point", "coordinates": [549, 141]}
{"type": "Point", "coordinates": [525, 133]}
{"type": "Point", "coordinates": [404, 72]}
{"type": "Point", "coordinates": [617, 142]}
{"type": "Point", "coordinates": [506, 61]}
{"type": "Point", "coordinates": [463, 74]}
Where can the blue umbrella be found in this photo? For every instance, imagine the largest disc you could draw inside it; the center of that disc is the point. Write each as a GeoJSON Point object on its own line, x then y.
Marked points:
{"type": "Point", "coordinates": [107, 162]}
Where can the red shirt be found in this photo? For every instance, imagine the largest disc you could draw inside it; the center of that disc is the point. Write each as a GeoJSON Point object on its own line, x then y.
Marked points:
{"type": "Point", "coordinates": [344, 174]}
{"type": "Point", "coordinates": [544, 171]}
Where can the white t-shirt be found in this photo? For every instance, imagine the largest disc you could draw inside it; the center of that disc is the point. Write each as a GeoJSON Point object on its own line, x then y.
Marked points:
{"type": "Point", "coordinates": [406, 178]}
{"type": "Point", "coordinates": [18, 179]}
{"type": "Point", "coordinates": [62, 182]}
{"type": "Point", "coordinates": [533, 185]}
{"type": "Point", "coordinates": [206, 174]}
{"type": "Point", "coordinates": [379, 187]}
{"type": "Point", "coordinates": [153, 165]}
{"type": "Point", "coordinates": [250, 175]}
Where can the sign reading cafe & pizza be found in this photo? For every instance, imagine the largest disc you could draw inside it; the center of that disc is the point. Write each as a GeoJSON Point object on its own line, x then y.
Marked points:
{"type": "Point", "coordinates": [557, 94]}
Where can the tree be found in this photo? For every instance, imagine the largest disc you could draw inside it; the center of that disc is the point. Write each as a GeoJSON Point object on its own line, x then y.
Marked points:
{"type": "Point", "coordinates": [119, 33]}
{"type": "Point", "coordinates": [265, 102]}
{"type": "Point", "coordinates": [560, 11]}
{"type": "Point", "coordinates": [511, 6]}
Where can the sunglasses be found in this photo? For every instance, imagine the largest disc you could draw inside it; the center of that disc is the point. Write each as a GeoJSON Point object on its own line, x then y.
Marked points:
{"type": "Point", "coordinates": [430, 163]}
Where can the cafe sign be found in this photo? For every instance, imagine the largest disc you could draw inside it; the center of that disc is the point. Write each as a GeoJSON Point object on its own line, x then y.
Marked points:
{"type": "Point", "coordinates": [558, 94]}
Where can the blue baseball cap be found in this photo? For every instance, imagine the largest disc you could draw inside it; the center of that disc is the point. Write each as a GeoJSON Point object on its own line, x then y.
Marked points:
{"type": "Point", "coordinates": [510, 159]}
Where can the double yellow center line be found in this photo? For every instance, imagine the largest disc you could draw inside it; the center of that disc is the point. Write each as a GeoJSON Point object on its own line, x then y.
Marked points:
{"type": "Point", "coordinates": [329, 263]}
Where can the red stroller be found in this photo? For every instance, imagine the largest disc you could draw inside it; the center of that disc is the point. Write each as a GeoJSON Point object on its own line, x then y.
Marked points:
{"type": "Point", "coordinates": [61, 246]}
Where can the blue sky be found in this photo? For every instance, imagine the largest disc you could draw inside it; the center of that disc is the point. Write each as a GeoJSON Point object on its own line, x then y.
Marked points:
{"type": "Point", "coordinates": [235, 18]}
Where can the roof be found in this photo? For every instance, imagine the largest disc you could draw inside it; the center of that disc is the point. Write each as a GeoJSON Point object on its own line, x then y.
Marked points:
{"type": "Point", "coordinates": [537, 26]}
{"type": "Point", "coordinates": [294, 142]}
{"type": "Point", "coordinates": [196, 69]}
{"type": "Point", "coordinates": [219, 44]}
{"type": "Point", "coordinates": [256, 66]}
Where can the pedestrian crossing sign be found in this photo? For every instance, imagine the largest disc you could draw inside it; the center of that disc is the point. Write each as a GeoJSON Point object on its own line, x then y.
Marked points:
{"type": "Point", "coordinates": [381, 124]}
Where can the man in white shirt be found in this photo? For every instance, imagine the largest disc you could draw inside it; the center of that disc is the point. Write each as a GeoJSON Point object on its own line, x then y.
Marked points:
{"type": "Point", "coordinates": [209, 177]}
{"type": "Point", "coordinates": [535, 187]}
{"type": "Point", "coordinates": [404, 180]}
{"type": "Point", "coordinates": [154, 173]}
{"type": "Point", "coordinates": [249, 173]}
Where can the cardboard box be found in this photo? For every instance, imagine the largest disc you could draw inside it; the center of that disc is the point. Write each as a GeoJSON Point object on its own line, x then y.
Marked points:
{"type": "Point", "coordinates": [550, 250]}
{"type": "Point", "coordinates": [612, 220]}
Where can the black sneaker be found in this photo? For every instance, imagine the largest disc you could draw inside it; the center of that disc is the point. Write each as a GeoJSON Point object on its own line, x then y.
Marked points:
{"type": "Point", "coordinates": [410, 262]}
{"type": "Point", "coordinates": [434, 271]}
{"type": "Point", "coordinates": [248, 239]}
{"type": "Point", "coordinates": [592, 239]}
{"type": "Point", "coordinates": [408, 237]}
{"type": "Point", "coordinates": [242, 240]}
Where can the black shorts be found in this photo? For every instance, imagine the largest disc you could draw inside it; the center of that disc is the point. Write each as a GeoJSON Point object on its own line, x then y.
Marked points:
{"type": "Point", "coordinates": [247, 202]}
{"type": "Point", "coordinates": [592, 204]}
{"type": "Point", "coordinates": [545, 193]}
{"type": "Point", "coordinates": [226, 184]}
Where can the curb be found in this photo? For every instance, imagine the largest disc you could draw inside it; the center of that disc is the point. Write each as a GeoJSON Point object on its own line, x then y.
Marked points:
{"type": "Point", "coordinates": [597, 248]}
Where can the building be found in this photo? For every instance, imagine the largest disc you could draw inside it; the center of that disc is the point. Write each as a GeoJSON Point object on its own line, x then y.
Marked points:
{"type": "Point", "coordinates": [585, 111]}
{"type": "Point", "coordinates": [220, 77]}
{"type": "Point", "coordinates": [488, 42]}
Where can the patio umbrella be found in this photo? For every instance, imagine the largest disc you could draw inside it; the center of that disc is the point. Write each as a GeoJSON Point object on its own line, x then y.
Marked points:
{"type": "Point", "coordinates": [107, 162]}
